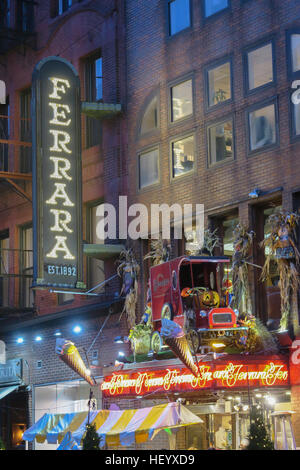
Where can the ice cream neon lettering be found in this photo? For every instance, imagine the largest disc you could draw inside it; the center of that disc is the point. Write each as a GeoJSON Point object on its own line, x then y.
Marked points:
{"type": "Point", "coordinates": [61, 140]}
{"type": "Point", "coordinates": [229, 375]}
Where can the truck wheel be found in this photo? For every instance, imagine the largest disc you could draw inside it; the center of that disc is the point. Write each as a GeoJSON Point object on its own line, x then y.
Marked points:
{"type": "Point", "coordinates": [167, 312]}
{"type": "Point", "coordinates": [155, 342]}
{"type": "Point", "coordinates": [193, 340]}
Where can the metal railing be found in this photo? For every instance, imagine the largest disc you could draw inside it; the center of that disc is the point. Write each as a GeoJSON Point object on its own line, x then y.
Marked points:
{"type": "Point", "coordinates": [16, 273]}
{"type": "Point", "coordinates": [15, 145]}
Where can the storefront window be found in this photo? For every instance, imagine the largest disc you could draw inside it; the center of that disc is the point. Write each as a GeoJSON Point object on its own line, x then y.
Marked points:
{"type": "Point", "coordinates": [62, 397]}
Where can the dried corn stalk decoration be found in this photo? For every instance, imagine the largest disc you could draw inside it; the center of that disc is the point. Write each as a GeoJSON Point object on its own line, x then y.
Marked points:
{"type": "Point", "coordinates": [160, 251]}
{"type": "Point", "coordinates": [128, 270]}
{"type": "Point", "coordinates": [210, 242]}
{"type": "Point", "coordinates": [280, 246]}
{"type": "Point", "coordinates": [242, 246]}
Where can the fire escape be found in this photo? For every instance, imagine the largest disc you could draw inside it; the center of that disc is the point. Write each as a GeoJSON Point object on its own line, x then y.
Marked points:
{"type": "Point", "coordinates": [16, 265]}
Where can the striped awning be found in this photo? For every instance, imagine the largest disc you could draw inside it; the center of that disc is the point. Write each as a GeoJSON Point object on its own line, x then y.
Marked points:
{"type": "Point", "coordinates": [121, 427]}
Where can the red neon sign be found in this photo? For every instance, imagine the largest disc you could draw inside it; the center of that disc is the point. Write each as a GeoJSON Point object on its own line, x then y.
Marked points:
{"type": "Point", "coordinates": [230, 375]}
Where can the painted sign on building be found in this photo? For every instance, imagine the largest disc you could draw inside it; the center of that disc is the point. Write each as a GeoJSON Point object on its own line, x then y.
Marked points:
{"type": "Point", "coordinates": [11, 372]}
{"type": "Point", "coordinates": [57, 181]}
{"type": "Point", "coordinates": [211, 376]}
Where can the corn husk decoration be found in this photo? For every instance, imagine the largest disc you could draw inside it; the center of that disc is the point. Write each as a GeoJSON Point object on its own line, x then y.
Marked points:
{"type": "Point", "coordinates": [257, 339]}
{"type": "Point", "coordinates": [280, 246]}
{"type": "Point", "coordinates": [210, 242]}
{"type": "Point", "coordinates": [128, 270]}
{"type": "Point", "coordinates": [160, 252]}
{"type": "Point", "coordinates": [242, 245]}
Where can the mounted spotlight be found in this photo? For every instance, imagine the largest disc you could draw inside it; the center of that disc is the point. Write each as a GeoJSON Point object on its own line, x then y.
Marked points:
{"type": "Point", "coordinates": [77, 329]}
{"type": "Point", "coordinates": [255, 193]}
{"type": "Point", "coordinates": [20, 340]}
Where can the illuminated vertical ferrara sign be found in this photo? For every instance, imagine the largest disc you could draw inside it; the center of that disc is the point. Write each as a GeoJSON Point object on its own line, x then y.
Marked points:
{"type": "Point", "coordinates": [57, 199]}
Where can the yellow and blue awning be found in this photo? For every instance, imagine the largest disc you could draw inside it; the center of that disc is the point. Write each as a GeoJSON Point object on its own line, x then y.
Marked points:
{"type": "Point", "coordinates": [115, 427]}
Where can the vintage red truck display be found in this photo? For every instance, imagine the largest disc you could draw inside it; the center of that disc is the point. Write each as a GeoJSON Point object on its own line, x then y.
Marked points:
{"type": "Point", "coordinates": [193, 292]}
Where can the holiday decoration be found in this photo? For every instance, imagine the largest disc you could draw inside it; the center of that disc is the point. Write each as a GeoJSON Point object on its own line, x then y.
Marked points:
{"type": "Point", "coordinates": [160, 252]}
{"type": "Point", "coordinates": [128, 270]}
{"type": "Point", "coordinates": [258, 435]}
{"type": "Point", "coordinates": [140, 338]}
{"type": "Point", "coordinates": [280, 246]}
{"type": "Point", "coordinates": [257, 339]}
{"type": "Point", "coordinates": [91, 440]}
{"type": "Point", "coordinates": [210, 242]}
{"type": "Point", "coordinates": [69, 354]}
{"type": "Point", "coordinates": [174, 337]}
{"type": "Point", "coordinates": [242, 244]}
{"type": "Point", "coordinates": [209, 299]}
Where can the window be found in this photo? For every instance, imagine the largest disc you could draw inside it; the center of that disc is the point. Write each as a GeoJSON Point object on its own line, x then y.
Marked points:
{"type": "Point", "coordinates": [214, 6]}
{"type": "Point", "coordinates": [93, 92]}
{"type": "Point", "coordinates": [262, 127]}
{"type": "Point", "coordinates": [148, 168]}
{"type": "Point", "coordinates": [295, 52]}
{"type": "Point", "coordinates": [25, 16]}
{"type": "Point", "coordinates": [25, 131]}
{"type": "Point", "coordinates": [5, 13]}
{"type": "Point", "coordinates": [4, 268]}
{"type": "Point", "coordinates": [26, 267]}
{"type": "Point", "coordinates": [260, 66]}
{"type": "Point", "coordinates": [64, 298]}
{"type": "Point", "coordinates": [179, 16]}
{"type": "Point", "coordinates": [96, 273]}
{"type": "Point", "coordinates": [181, 100]}
{"type": "Point", "coordinates": [58, 7]}
{"type": "Point", "coordinates": [183, 158]}
{"type": "Point", "coordinates": [4, 134]}
{"type": "Point", "coordinates": [150, 117]}
{"type": "Point", "coordinates": [220, 138]}
{"type": "Point", "coordinates": [296, 119]}
{"type": "Point", "coordinates": [219, 84]}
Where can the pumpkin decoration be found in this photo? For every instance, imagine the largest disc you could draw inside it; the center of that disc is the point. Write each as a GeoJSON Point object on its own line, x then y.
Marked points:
{"type": "Point", "coordinates": [209, 299]}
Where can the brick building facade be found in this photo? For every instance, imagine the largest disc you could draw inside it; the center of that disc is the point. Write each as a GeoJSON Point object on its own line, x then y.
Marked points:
{"type": "Point", "coordinates": [206, 117]}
